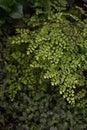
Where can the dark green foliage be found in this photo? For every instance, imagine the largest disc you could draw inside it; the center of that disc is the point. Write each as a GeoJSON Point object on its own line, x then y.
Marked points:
{"type": "Point", "coordinates": [42, 111]}
{"type": "Point", "coordinates": [10, 8]}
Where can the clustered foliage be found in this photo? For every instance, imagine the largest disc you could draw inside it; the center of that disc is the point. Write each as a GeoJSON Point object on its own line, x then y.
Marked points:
{"type": "Point", "coordinates": [53, 55]}
{"type": "Point", "coordinates": [15, 9]}
{"type": "Point", "coordinates": [43, 73]}
{"type": "Point", "coordinates": [43, 111]}
{"type": "Point", "coordinates": [9, 9]}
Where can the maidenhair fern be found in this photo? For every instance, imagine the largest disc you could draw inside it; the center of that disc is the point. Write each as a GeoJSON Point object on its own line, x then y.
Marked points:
{"type": "Point", "coordinates": [53, 54]}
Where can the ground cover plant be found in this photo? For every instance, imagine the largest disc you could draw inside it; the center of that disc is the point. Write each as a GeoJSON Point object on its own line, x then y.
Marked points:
{"type": "Point", "coordinates": [43, 70]}
{"type": "Point", "coordinates": [52, 53]}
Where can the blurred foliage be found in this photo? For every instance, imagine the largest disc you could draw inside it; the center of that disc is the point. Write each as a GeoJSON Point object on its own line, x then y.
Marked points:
{"type": "Point", "coordinates": [9, 9]}
{"type": "Point", "coordinates": [43, 111]}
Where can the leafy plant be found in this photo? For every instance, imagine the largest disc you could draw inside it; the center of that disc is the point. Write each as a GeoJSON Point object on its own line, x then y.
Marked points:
{"type": "Point", "coordinates": [49, 55]}
{"type": "Point", "coordinates": [45, 80]}
{"type": "Point", "coordinates": [12, 8]}
{"type": "Point", "coordinates": [42, 111]}
{"type": "Point", "coordinates": [9, 9]}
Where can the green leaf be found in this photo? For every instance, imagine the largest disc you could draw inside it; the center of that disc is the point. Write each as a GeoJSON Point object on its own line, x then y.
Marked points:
{"type": "Point", "coordinates": [17, 11]}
